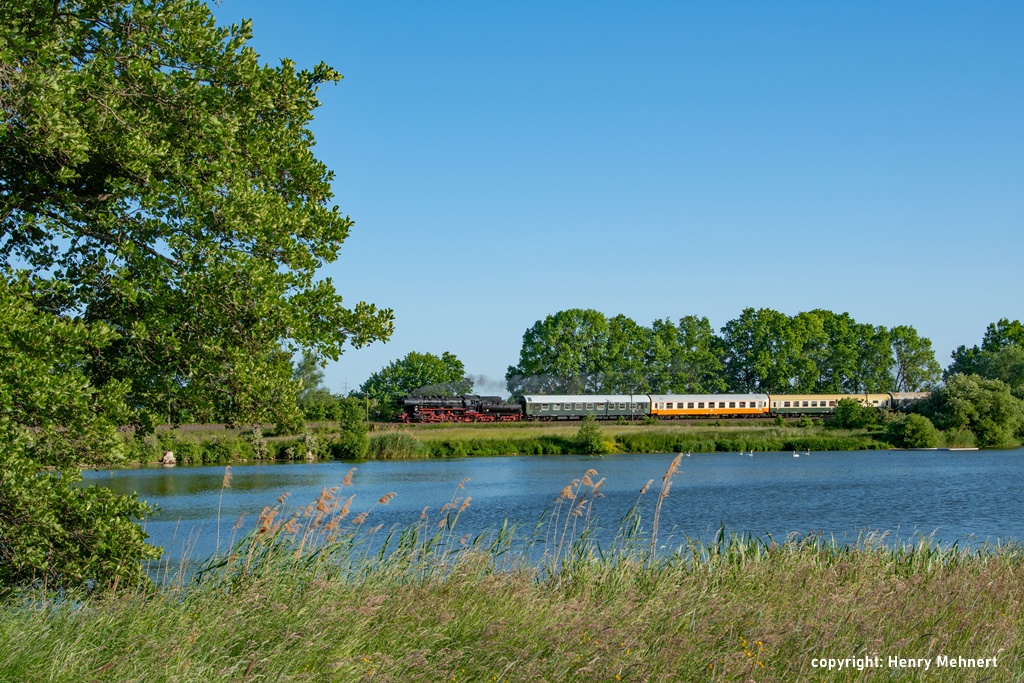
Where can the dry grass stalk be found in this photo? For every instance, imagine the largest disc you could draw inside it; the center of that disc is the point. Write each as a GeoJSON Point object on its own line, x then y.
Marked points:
{"type": "Point", "coordinates": [343, 512]}
{"type": "Point", "coordinates": [666, 485]}
{"type": "Point", "coordinates": [347, 481]}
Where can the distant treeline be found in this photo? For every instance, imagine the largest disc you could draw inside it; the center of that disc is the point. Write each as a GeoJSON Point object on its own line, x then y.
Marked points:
{"type": "Point", "coordinates": [581, 351]}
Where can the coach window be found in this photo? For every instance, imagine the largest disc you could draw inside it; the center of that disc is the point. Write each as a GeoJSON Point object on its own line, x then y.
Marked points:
{"type": "Point", "coordinates": [590, 406]}
{"type": "Point", "coordinates": [732, 404]}
{"type": "Point", "coordinates": [785, 404]}
{"type": "Point", "coordinates": [743, 404]}
{"type": "Point", "coordinates": [600, 406]}
{"type": "Point", "coordinates": [555, 406]}
{"type": "Point", "coordinates": [700, 405]}
{"type": "Point", "coordinates": [545, 406]}
{"type": "Point", "coordinates": [670, 405]}
{"type": "Point", "coordinates": [814, 404]}
{"type": "Point", "coordinates": [579, 406]}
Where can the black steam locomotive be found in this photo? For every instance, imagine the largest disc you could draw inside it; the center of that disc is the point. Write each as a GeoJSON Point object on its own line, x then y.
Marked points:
{"type": "Point", "coordinates": [459, 409]}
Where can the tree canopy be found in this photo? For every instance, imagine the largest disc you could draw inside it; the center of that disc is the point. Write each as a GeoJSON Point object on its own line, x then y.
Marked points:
{"type": "Point", "coordinates": [416, 373]}
{"type": "Point", "coordinates": [582, 351]}
{"type": "Point", "coordinates": [157, 178]}
{"type": "Point", "coordinates": [162, 222]}
{"type": "Point", "coordinates": [984, 407]}
{"type": "Point", "coordinates": [1000, 356]}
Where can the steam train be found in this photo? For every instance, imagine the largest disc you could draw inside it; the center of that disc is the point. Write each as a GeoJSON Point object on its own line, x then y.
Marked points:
{"type": "Point", "coordinates": [639, 406]}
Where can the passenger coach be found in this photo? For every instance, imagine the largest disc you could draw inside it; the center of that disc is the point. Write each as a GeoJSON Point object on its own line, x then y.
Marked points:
{"type": "Point", "coordinates": [609, 407]}
{"type": "Point", "coordinates": [695, 405]}
{"type": "Point", "coordinates": [822, 404]}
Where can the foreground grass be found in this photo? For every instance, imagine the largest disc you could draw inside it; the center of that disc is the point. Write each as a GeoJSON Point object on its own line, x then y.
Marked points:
{"type": "Point", "coordinates": [762, 618]}
{"type": "Point", "coordinates": [311, 596]}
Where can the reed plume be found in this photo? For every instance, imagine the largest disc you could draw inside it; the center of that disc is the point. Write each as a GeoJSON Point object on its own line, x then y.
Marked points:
{"type": "Point", "coordinates": [666, 485]}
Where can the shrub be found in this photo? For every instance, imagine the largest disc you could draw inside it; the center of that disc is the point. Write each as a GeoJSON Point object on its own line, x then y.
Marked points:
{"type": "Point", "coordinates": [851, 414]}
{"type": "Point", "coordinates": [985, 407]}
{"type": "Point", "coordinates": [254, 436]}
{"type": "Point", "coordinates": [914, 431]}
{"type": "Point", "coordinates": [588, 438]}
{"type": "Point", "coordinates": [352, 441]}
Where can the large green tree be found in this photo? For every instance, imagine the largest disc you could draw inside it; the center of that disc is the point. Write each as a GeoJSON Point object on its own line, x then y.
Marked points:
{"type": "Point", "coordinates": [914, 364]}
{"type": "Point", "coordinates": [162, 221]}
{"type": "Point", "coordinates": [1000, 356]}
{"type": "Point", "coordinates": [565, 353]}
{"type": "Point", "coordinates": [685, 357]}
{"type": "Point", "coordinates": [762, 352]}
{"type": "Point", "coordinates": [155, 176]}
{"type": "Point", "coordinates": [54, 532]}
{"type": "Point", "coordinates": [624, 357]}
{"type": "Point", "coordinates": [416, 373]}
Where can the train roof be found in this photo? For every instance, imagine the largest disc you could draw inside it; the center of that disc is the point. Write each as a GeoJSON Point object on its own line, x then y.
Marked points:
{"type": "Point", "coordinates": [837, 397]}
{"type": "Point", "coordinates": [573, 398]}
{"type": "Point", "coordinates": [708, 397]}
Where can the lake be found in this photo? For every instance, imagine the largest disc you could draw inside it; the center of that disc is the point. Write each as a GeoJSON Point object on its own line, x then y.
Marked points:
{"type": "Point", "coordinates": [968, 497]}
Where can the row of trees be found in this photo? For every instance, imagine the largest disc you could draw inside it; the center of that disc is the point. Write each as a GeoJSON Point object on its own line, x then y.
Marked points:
{"type": "Point", "coordinates": [761, 351]}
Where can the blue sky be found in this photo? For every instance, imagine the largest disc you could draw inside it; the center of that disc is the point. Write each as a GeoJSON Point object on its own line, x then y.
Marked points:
{"type": "Point", "coordinates": [504, 161]}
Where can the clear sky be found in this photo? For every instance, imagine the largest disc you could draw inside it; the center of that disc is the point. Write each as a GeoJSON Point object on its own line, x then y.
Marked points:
{"type": "Point", "coordinates": [507, 160]}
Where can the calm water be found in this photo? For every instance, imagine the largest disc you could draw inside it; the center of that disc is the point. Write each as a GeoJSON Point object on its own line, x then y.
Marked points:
{"type": "Point", "coordinates": [971, 496]}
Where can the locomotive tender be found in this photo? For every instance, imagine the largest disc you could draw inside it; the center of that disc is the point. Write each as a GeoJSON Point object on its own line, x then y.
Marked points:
{"type": "Point", "coordinates": [661, 406]}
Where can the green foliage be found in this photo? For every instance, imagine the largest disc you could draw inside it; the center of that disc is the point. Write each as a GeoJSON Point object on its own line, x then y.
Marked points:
{"type": "Point", "coordinates": [984, 407]}
{"type": "Point", "coordinates": [914, 431]}
{"type": "Point", "coordinates": [52, 419]}
{"type": "Point", "coordinates": [582, 351]}
{"type": "Point", "coordinates": [352, 441]}
{"type": "Point", "coordinates": [179, 203]}
{"type": "Point", "coordinates": [394, 445]}
{"type": "Point", "coordinates": [420, 373]}
{"type": "Point", "coordinates": [563, 354]}
{"type": "Point", "coordinates": [915, 367]}
{"type": "Point", "coordinates": [255, 439]}
{"type": "Point", "coordinates": [162, 221]}
{"type": "Point", "coordinates": [851, 414]}
{"type": "Point", "coordinates": [588, 438]}
{"type": "Point", "coordinates": [1000, 357]}
{"type": "Point", "coordinates": [684, 358]}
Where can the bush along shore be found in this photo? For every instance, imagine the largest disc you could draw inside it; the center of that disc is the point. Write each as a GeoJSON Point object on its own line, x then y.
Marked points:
{"type": "Point", "coordinates": [313, 594]}
{"type": "Point", "coordinates": [200, 444]}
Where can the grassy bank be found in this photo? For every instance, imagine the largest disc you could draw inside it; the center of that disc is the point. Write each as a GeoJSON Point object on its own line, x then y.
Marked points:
{"type": "Point", "coordinates": [217, 445]}
{"type": "Point", "coordinates": [560, 438]}
{"type": "Point", "coordinates": [313, 596]}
